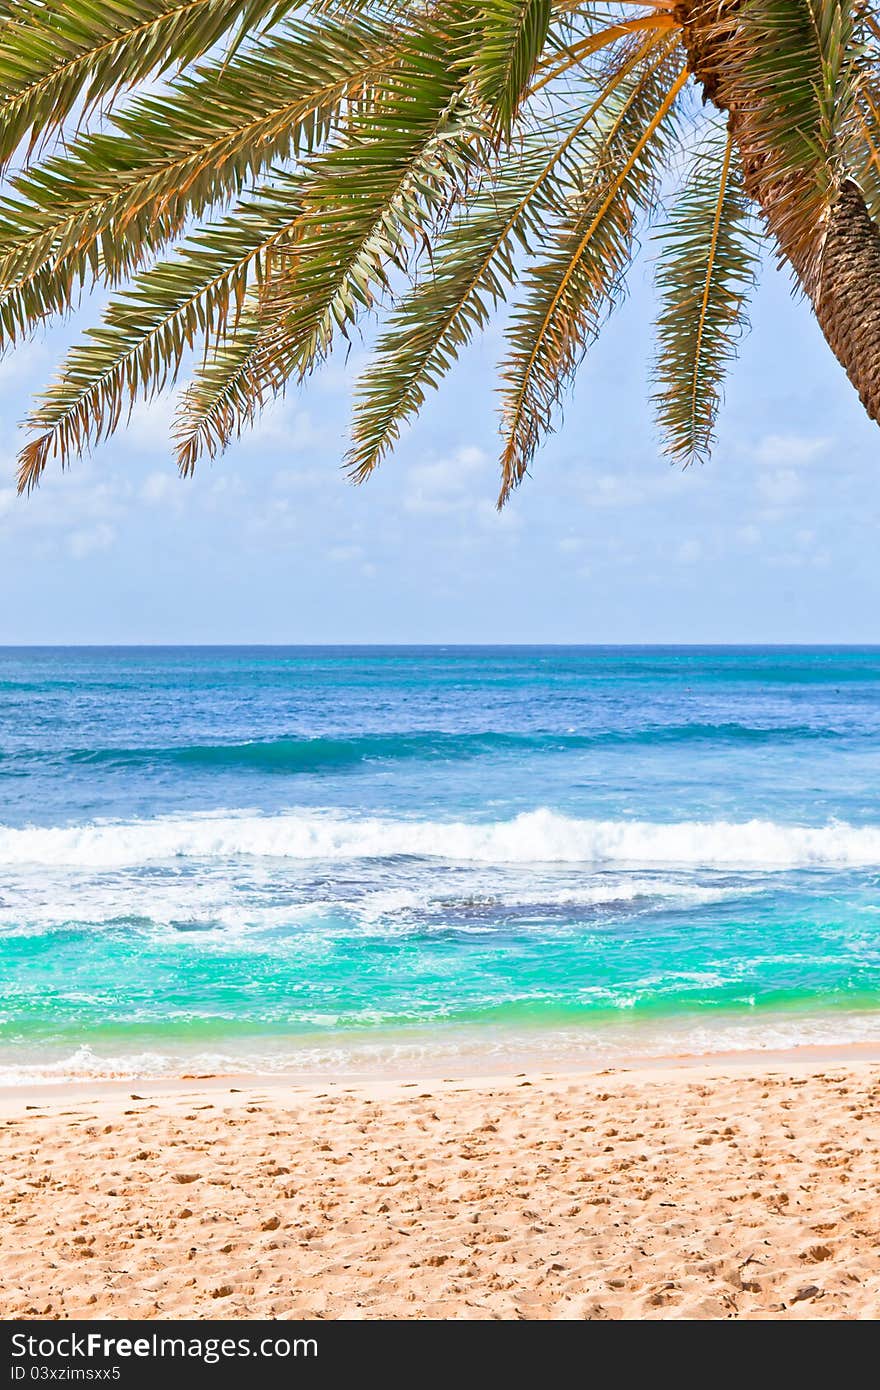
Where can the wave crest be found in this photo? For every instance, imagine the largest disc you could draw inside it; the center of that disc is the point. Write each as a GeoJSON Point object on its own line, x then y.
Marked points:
{"type": "Point", "coordinates": [540, 836]}
{"type": "Point", "coordinates": [322, 754]}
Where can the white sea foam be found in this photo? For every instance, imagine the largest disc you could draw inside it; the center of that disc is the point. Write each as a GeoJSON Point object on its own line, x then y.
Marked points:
{"type": "Point", "coordinates": [448, 1051]}
{"type": "Point", "coordinates": [540, 836]}
{"type": "Point", "coordinates": [603, 891]}
{"type": "Point", "coordinates": [396, 898]}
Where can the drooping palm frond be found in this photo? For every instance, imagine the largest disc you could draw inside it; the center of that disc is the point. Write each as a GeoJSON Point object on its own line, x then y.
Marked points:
{"type": "Point", "coordinates": [862, 155]}
{"type": "Point", "coordinates": [865, 147]}
{"type": "Point", "coordinates": [474, 267]}
{"type": "Point", "coordinates": [707, 265]}
{"type": "Point", "coordinates": [100, 209]}
{"type": "Point", "coordinates": [232, 385]}
{"type": "Point", "coordinates": [314, 161]}
{"type": "Point", "coordinates": [568, 294]}
{"type": "Point", "coordinates": [377, 194]}
{"type": "Point", "coordinates": [370, 202]}
{"type": "Point", "coordinates": [146, 331]}
{"type": "Point", "coordinates": [574, 55]}
{"type": "Point", "coordinates": [54, 57]}
{"type": "Point", "coordinates": [512, 35]}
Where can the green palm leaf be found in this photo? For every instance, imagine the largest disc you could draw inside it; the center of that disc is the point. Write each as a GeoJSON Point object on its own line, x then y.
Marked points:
{"type": "Point", "coordinates": [706, 269]}
{"type": "Point", "coordinates": [473, 267]}
{"type": "Point", "coordinates": [97, 211]}
{"type": "Point", "coordinates": [229, 389]}
{"type": "Point", "coordinates": [427, 159]}
{"type": "Point", "coordinates": [52, 57]}
{"type": "Point", "coordinates": [513, 35]}
{"type": "Point", "coordinates": [147, 330]}
{"type": "Point", "coordinates": [576, 283]}
{"type": "Point", "coordinates": [796, 85]}
{"type": "Point", "coordinates": [863, 152]}
{"type": "Point", "coordinates": [370, 205]}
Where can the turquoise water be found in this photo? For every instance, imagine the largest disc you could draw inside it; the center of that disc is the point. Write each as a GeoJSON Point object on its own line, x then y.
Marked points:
{"type": "Point", "coordinates": [341, 858]}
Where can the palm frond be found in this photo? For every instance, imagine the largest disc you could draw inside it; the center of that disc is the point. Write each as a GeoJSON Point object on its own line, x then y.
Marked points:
{"type": "Point", "coordinates": [321, 161]}
{"type": "Point", "coordinates": [576, 283]}
{"type": "Point", "coordinates": [575, 54]}
{"type": "Point", "coordinates": [229, 388]}
{"type": "Point", "coordinates": [512, 37]}
{"type": "Point", "coordinates": [709, 254]}
{"type": "Point", "coordinates": [368, 203]}
{"type": "Point", "coordinates": [474, 265]}
{"type": "Point", "coordinates": [147, 330]}
{"type": "Point", "coordinates": [375, 196]}
{"type": "Point", "coordinates": [866, 158]}
{"type": "Point", "coordinates": [863, 152]}
{"type": "Point", "coordinates": [117, 196]}
{"type": "Point", "coordinates": [56, 56]}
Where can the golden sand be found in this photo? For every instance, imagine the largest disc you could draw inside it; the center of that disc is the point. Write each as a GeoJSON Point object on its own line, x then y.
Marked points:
{"type": "Point", "coordinates": [665, 1194]}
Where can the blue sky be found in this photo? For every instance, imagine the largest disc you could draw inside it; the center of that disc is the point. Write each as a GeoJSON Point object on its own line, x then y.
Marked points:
{"type": "Point", "coordinates": [775, 540]}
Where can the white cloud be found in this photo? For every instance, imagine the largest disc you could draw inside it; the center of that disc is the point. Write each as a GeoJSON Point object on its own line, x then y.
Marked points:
{"type": "Point", "coordinates": [227, 485]}
{"type": "Point", "coordinates": [470, 456]}
{"type": "Point", "coordinates": [29, 360]}
{"type": "Point", "coordinates": [508, 520]}
{"type": "Point", "coordinates": [689, 552]}
{"type": "Point", "coordinates": [74, 501]}
{"type": "Point", "coordinates": [84, 543]}
{"type": "Point", "coordinates": [340, 372]}
{"type": "Point", "coordinates": [342, 554]}
{"type": "Point", "coordinates": [628, 488]}
{"type": "Point", "coordinates": [748, 535]}
{"type": "Point", "coordinates": [270, 521]}
{"type": "Point", "coordinates": [281, 426]}
{"type": "Point", "coordinates": [447, 484]}
{"type": "Point", "coordinates": [614, 490]}
{"type": "Point", "coordinates": [569, 545]}
{"type": "Point", "coordinates": [162, 488]}
{"type": "Point", "coordinates": [780, 488]}
{"type": "Point", "coordinates": [304, 479]}
{"type": "Point", "coordinates": [791, 450]}
{"type": "Point", "coordinates": [150, 426]}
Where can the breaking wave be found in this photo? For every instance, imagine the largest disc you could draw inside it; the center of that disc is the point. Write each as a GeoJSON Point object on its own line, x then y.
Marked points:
{"type": "Point", "coordinates": [540, 836]}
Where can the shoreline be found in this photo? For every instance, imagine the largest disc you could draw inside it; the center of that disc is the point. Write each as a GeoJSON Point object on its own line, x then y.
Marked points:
{"type": "Point", "coordinates": [806, 1056]}
{"type": "Point", "coordinates": [724, 1189]}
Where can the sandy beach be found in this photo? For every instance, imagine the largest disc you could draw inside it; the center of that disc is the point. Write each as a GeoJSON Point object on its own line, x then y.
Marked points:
{"type": "Point", "coordinates": [673, 1193]}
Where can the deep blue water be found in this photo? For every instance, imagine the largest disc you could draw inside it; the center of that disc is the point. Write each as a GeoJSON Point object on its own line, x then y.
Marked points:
{"type": "Point", "coordinates": [319, 857]}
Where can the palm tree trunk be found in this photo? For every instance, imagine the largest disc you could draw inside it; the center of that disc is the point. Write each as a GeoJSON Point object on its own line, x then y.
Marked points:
{"type": "Point", "coordinates": [848, 301]}
{"type": "Point", "coordinates": [840, 273]}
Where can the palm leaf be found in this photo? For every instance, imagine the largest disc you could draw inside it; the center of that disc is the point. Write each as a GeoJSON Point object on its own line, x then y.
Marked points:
{"type": "Point", "coordinates": [53, 56]}
{"type": "Point", "coordinates": [147, 330]}
{"type": "Point", "coordinates": [865, 153]}
{"type": "Point", "coordinates": [575, 54]}
{"type": "Point", "coordinates": [567, 295]}
{"type": "Point", "coordinates": [473, 266]}
{"type": "Point", "coordinates": [706, 269]}
{"type": "Point", "coordinates": [97, 211]}
{"type": "Point", "coordinates": [457, 152]}
{"type": "Point", "coordinates": [794, 89]}
{"type": "Point", "coordinates": [512, 37]}
{"type": "Point", "coordinates": [374, 198]}
{"type": "Point", "coordinates": [232, 384]}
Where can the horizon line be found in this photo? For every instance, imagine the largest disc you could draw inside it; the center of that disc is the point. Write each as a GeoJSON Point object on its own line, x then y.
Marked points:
{"type": "Point", "coordinates": [439, 646]}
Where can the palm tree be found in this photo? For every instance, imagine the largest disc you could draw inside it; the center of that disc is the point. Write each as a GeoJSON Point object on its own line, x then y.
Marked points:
{"type": "Point", "coordinates": [253, 178]}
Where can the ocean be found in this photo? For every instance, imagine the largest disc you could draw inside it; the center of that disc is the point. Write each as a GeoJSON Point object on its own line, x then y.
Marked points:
{"type": "Point", "coordinates": [350, 860]}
